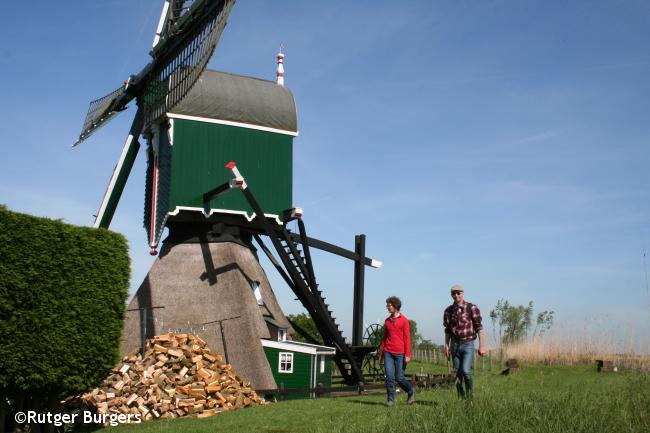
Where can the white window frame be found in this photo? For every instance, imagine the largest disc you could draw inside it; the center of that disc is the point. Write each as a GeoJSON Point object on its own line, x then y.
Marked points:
{"type": "Point", "coordinates": [288, 361]}
{"type": "Point", "coordinates": [322, 364]}
{"type": "Point", "coordinates": [282, 334]}
{"type": "Point", "coordinates": [258, 294]}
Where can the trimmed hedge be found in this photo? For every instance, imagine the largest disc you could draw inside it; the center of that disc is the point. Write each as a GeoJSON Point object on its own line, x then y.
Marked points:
{"type": "Point", "coordinates": [62, 303]}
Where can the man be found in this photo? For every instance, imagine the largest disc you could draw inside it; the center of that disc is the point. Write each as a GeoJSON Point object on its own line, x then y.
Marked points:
{"type": "Point", "coordinates": [462, 322]}
{"type": "Point", "coordinates": [395, 350]}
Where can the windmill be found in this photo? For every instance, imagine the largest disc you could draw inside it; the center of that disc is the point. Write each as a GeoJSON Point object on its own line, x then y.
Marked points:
{"type": "Point", "coordinates": [196, 122]}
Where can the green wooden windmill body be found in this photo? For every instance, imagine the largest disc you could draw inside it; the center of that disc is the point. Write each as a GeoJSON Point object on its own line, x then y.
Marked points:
{"type": "Point", "coordinates": [225, 117]}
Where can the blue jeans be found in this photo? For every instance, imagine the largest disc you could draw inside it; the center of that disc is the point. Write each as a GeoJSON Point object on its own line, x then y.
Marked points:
{"type": "Point", "coordinates": [394, 365]}
{"type": "Point", "coordinates": [463, 357]}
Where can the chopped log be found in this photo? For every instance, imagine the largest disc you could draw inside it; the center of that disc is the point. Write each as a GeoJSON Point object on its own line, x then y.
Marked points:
{"type": "Point", "coordinates": [197, 392]}
{"type": "Point", "coordinates": [175, 352]}
{"type": "Point", "coordinates": [206, 413]}
{"type": "Point", "coordinates": [213, 386]}
{"type": "Point", "coordinates": [185, 402]}
{"type": "Point", "coordinates": [204, 373]}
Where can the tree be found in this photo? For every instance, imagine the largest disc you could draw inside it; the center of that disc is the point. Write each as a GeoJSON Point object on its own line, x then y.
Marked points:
{"type": "Point", "coordinates": [544, 323]}
{"type": "Point", "coordinates": [515, 321]}
{"type": "Point", "coordinates": [428, 345]}
{"type": "Point", "coordinates": [415, 337]}
{"type": "Point", "coordinates": [307, 324]}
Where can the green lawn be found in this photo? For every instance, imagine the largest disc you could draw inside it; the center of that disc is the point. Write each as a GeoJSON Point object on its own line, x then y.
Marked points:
{"type": "Point", "coordinates": [536, 399]}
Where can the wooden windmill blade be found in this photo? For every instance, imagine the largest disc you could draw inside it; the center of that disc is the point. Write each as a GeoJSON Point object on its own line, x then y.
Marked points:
{"type": "Point", "coordinates": [182, 55]}
{"type": "Point", "coordinates": [186, 37]}
{"type": "Point", "coordinates": [100, 112]}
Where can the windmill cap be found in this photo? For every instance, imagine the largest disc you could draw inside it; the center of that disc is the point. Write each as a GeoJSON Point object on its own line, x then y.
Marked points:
{"type": "Point", "coordinates": [457, 288]}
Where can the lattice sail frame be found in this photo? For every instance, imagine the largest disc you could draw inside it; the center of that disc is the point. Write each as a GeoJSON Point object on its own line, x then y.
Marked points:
{"type": "Point", "coordinates": [100, 111]}
{"type": "Point", "coordinates": [176, 67]}
{"type": "Point", "coordinates": [183, 67]}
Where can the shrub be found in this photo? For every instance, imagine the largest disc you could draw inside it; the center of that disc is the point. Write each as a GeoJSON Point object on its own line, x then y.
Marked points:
{"type": "Point", "coordinates": [62, 303]}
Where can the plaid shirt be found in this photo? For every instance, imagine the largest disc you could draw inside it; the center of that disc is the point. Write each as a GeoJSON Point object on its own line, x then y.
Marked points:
{"type": "Point", "coordinates": [458, 322]}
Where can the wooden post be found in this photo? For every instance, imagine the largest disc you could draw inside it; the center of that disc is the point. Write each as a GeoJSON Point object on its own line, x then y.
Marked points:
{"type": "Point", "coordinates": [359, 275]}
{"type": "Point", "coordinates": [490, 359]}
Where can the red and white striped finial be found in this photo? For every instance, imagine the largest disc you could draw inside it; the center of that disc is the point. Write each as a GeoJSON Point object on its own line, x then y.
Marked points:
{"type": "Point", "coordinates": [280, 80]}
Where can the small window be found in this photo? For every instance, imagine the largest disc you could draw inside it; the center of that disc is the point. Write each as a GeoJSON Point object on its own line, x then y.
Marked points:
{"type": "Point", "coordinates": [282, 334]}
{"type": "Point", "coordinates": [258, 293]}
{"type": "Point", "coordinates": [286, 362]}
{"type": "Point", "coordinates": [322, 364]}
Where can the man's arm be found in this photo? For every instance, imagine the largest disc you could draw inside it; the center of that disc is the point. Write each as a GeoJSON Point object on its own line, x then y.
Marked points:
{"type": "Point", "coordinates": [478, 326]}
{"type": "Point", "coordinates": [447, 350]}
{"type": "Point", "coordinates": [481, 343]}
{"type": "Point", "coordinates": [445, 323]}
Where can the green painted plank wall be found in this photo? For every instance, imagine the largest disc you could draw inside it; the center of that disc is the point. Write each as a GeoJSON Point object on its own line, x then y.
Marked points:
{"type": "Point", "coordinates": [300, 378]}
{"type": "Point", "coordinates": [326, 377]}
{"type": "Point", "coordinates": [201, 150]}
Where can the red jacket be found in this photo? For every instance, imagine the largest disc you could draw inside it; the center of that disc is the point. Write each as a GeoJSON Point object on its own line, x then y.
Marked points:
{"type": "Point", "coordinates": [397, 336]}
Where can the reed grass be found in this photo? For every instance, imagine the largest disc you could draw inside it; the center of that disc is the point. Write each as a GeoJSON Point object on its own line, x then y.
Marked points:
{"type": "Point", "coordinates": [566, 349]}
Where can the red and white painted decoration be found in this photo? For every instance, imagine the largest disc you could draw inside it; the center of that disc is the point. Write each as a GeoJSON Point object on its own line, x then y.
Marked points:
{"type": "Point", "coordinates": [280, 67]}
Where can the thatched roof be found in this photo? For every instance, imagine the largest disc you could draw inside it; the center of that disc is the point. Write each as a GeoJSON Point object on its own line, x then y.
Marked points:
{"type": "Point", "coordinates": [198, 284]}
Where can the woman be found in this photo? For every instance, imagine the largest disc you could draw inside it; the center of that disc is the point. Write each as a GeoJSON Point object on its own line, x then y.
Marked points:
{"type": "Point", "coordinates": [395, 350]}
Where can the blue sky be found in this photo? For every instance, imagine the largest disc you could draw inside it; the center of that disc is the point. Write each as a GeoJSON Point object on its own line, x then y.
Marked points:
{"type": "Point", "coordinates": [499, 145]}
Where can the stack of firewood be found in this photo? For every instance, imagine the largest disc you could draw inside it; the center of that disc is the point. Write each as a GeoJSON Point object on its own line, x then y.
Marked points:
{"type": "Point", "coordinates": [177, 376]}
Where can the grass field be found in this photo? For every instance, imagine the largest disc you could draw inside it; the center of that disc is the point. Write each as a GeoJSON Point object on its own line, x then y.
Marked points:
{"type": "Point", "coordinates": [536, 399]}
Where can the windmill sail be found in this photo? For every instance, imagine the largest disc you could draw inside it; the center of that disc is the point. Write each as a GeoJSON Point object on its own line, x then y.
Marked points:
{"type": "Point", "coordinates": [100, 111]}
{"type": "Point", "coordinates": [187, 40]}
{"type": "Point", "coordinates": [186, 55]}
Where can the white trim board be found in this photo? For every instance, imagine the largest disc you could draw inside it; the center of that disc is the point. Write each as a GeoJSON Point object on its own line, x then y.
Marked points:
{"type": "Point", "coordinates": [295, 346]}
{"type": "Point", "coordinates": [231, 123]}
{"type": "Point", "coordinates": [177, 209]}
